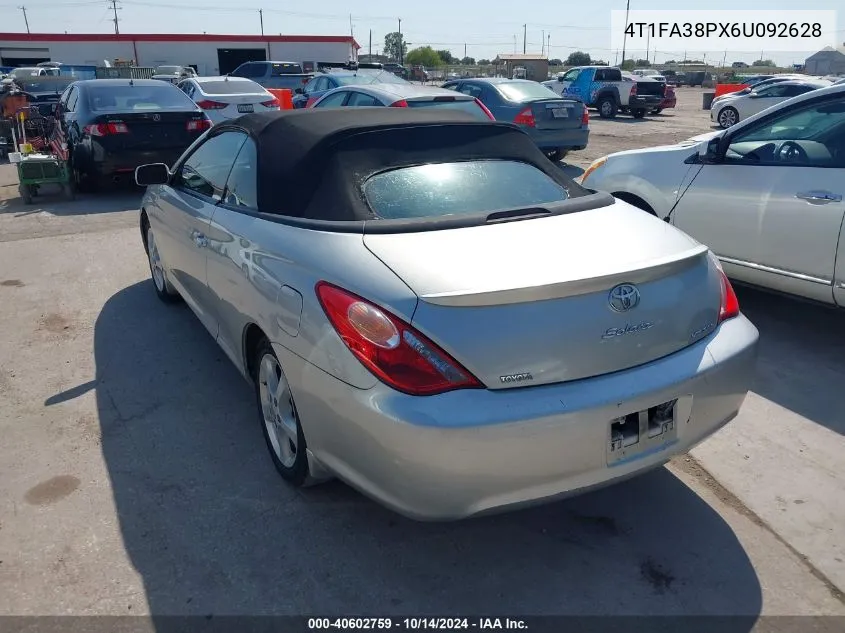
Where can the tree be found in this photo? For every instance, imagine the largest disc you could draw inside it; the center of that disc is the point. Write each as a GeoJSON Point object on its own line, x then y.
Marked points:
{"type": "Point", "coordinates": [628, 64]}
{"type": "Point", "coordinates": [555, 62]}
{"type": "Point", "coordinates": [764, 62]}
{"type": "Point", "coordinates": [671, 61]}
{"type": "Point", "coordinates": [578, 58]}
{"type": "Point", "coordinates": [642, 63]}
{"type": "Point", "coordinates": [484, 62]}
{"type": "Point", "coordinates": [424, 56]}
{"type": "Point", "coordinates": [468, 61]}
{"type": "Point", "coordinates": [393, 44]}
{"type": "Point", "coordinates": [446, 56]}
{"type": "Point", "coordinates": [599, 62]}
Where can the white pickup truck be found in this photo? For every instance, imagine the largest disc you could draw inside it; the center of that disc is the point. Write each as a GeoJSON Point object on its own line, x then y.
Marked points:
{"type": "Point", "coordinates": [609, 90]}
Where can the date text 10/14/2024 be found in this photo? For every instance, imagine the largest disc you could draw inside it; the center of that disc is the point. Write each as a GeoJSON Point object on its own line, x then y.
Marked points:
{"type": "Point", "coordinates": [415, 624]}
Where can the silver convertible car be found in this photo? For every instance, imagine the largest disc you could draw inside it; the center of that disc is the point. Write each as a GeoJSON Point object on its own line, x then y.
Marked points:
{"type": "Point", "coordinates": [433, 312]}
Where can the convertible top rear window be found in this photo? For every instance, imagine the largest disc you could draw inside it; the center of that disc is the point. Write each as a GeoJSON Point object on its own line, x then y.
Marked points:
{"type": "Point", "coordinates": [459, 188]}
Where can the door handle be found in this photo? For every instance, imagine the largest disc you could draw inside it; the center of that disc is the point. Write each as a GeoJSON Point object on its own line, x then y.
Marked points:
{"type": "Point", "coordinates": [199, 239]}
{"type": "Point", "coordinates": [819, 197]}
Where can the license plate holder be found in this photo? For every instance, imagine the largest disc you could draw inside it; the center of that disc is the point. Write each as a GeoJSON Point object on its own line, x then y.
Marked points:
{"type": "Point", "coordinates": [560, 113]}
{"type": "Point", "coordinates": [635, 435]}
{"type": "Point", "coordinates": [246, 107]}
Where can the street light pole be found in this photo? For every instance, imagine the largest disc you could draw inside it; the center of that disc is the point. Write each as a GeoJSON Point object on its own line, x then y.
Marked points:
{"type": "Point", "coordinates": [401, 52]}
{"type": "Point", "coordinates": [625, 35]}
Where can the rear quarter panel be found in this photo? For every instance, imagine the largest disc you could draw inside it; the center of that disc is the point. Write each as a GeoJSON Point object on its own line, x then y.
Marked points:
{"type": "Point", "coordinates": [264, 272]}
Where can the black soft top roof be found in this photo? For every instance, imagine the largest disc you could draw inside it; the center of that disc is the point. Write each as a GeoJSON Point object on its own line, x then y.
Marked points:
{"type": "Point", "coordinates": [312, 163]}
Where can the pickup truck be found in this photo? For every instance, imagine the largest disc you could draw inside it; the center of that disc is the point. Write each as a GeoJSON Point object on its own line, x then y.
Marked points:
{"type": "Point", "coordinates": [606, 89]}
{"type": "Point", "coordinates": [275, 75]}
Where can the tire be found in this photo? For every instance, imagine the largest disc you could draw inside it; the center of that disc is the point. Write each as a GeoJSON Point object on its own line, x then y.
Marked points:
{"type": "Point", "coordinates": [728, 117]}
{"type": "Point", "coordinates": [657, 111]}
{"type": "Point", "coordinates": [164, 289]}
{"type": "Point", "coordinates": [26, 193]}
{"type": "Point", "coordinates": [557, 155]}
{"type": "Point", "coordinates": [278, 416]}
{"type": "Point", "coordinates": [84, 182]}
{"type": "Point", "coordinates": [68, 190]}
{"type": "Point", "coordinates": [607, 107]}
{"type": "Point", "coordinates": [638, 113]}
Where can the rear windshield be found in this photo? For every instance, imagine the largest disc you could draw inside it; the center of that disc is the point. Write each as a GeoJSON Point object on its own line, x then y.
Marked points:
{"type": "Point", "coordinates": [130, 98]}
{"type": "Point", "coordinates": [354, 80]}
{"type": "Point", "coordinates": [467, 105]}
{"type": "Point", "coordinates": [223, 87]}
{"type": "Point", "coordinates": [168, 70]}
{"type": "Point", "coordinates": [285, 69]}
{"type": "Point", "coordinates": [526, 91]}
{"type": "Point", "coordinates": [465, 188]}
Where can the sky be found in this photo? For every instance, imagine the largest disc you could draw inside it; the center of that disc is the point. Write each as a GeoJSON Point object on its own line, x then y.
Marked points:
{"type": "Point", "coordinates": [481, 29]}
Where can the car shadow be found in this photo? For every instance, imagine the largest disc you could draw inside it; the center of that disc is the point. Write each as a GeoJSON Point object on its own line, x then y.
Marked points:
{"type": "Point", "coordinates": [573, 171]}
{"type": "Point", "coordinates": [213, 530]}
{"type": "Point", "coordinates": [802, 355]}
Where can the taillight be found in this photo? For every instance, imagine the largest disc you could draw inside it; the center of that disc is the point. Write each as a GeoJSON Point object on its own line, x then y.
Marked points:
{"type": "Point", "coordinates": [207, 104]}
{"type": "Point", "coordinates": [526, 117]}
{"type": "Point", "coordinates": [198, 125]}
{"type": "Point", "coordinates": [396, 353]}
{"type": "Point", "coordinates": [585, 117]}
{"type": "Point", "coordinates": [729, 307]}
{"type": "Point", "coordinates": [634, 90]}
{"type": "Point", "coordinates": [106, 129]}
{"type": "Point", "coordinates": [399, 104]}
{"type": "Point", "coordinates": [272, 103]}
{"type": "Point", "coordinates": [484, 109]}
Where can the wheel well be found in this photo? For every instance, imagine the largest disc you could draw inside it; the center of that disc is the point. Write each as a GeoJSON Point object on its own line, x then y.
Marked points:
{"type": "Point", "coordinates": [253, 335]}
{"type": "Point", "coordinates": [636, 201]}
{"type": "Point", "coordinates": [611, 94]}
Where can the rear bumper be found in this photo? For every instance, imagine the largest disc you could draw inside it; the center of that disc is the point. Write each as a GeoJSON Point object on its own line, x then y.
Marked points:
{"type": "Point", "coordinates": [575, 138]}
{"type": "Point", "coordinates": [105, 163]}
{"type": "Point", "coordinates": [645, 101]}
{"type": "Point", "coordinates": [474, 451]}
{"type": "Point", "coordinates": [670, 102]}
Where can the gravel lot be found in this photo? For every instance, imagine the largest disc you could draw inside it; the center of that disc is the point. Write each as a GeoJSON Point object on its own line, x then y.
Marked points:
{"type": "Point", "coordinates": [134, 480]}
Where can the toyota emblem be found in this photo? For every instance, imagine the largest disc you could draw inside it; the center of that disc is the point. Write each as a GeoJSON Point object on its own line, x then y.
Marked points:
{"type": "Point", "coordinates": [623, 297]}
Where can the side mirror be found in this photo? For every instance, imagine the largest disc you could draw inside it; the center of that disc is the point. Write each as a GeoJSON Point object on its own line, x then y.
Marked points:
{"type": "Point", "coordinates": [708, 151]}
{"type": "Point", "coordinates": [560, 79]}
{"type": "Point", "coordinates": [299, 91]}
{"type": "Point", "coordinates": [152, 174]}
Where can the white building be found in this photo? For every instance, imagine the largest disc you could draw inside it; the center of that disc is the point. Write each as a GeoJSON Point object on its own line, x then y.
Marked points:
{"type": "Point", "coordinates": [209, 54]}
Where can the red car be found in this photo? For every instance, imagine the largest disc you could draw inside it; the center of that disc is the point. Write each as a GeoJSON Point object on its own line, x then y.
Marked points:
{"type": "Point", "coordinates": [669, 99]}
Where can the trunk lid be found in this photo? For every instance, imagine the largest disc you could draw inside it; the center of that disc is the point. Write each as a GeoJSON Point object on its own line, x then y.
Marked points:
{"type": "Point", "coordinates": [650, 87]}
{"type": "Point", "coordinates": [529, 302]}
{"type": "Point", "coordinates": [151, 130]}
{"type": "Point", "coordinates": [557, 114]}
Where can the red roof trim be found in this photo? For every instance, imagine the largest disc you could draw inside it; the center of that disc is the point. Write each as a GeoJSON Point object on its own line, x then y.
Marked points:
{"type": "Point", "coordinates": [171, 37]}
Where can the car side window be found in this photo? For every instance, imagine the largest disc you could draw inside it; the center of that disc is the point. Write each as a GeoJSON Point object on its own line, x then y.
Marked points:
{"type": "Point", "coordinates": [359, 99]}
{"type": "Point", "coordinates": [334, 100]}
{"type": "Point", "coordinates": [809, 136]}
{"type": "Point", "coordinates": [242, 184]}
{"type": "Point", "coordinates": [73, 99]}
{"type": "Point", "coordinates": [323, 84]}
{"type": "Point", "coordinates": [453, 85]}
{"type": "Point", "coordinates": [205, 171]}
{"type": "Point", "coordinates": [471, 90]}
{"type": "Point", "coordinates": [572, 75]}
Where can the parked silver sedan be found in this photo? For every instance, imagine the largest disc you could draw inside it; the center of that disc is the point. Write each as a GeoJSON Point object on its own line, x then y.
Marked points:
{"type": "Point", "coordinates": [432, 311]}
{"type": "Point", "coordinates": [767, 195]}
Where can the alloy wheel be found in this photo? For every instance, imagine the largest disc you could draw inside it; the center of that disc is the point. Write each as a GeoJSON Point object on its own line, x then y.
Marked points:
{"type": "Point", "coordinates": [278, 410]}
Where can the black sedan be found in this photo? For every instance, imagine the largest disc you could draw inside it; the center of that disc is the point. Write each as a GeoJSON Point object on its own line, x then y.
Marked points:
{"type": "Point", "coordinates": [114, 125]}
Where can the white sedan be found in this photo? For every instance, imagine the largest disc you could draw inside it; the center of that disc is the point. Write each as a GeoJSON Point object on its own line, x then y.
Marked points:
{"type": "Point", "coordinates": [766, 195]}
{"type": "Point", "coordinates": [731, 109]}
{"type": "Point", "coordinates": [224, 98]}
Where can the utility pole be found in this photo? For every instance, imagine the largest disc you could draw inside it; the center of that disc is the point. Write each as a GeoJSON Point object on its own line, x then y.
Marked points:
{"type": "Point", "coordinates": [115, 8]}
{"type": "Point", "coordinates": [371, 45]}
{"type": "Point", "coordinates": [647, 44]}
{"type": "Point", "coordinates": [25, 19]}
{"type": "Point", "coordinates": [543, 42]}
{"type": "Point", "coordinates": [514, 44]}
{"type": "Point", "coordinates": [724, 59]}
{"type": "Point", "coordinates": [465, 49]}
{"type": "Point", "coordinates": [401, 44]}
{"type": "Point", "coordinates": [625, 36]}
{"type": "Point", "coordinates": [524, 38]}
{"type": "Point", "coordinates": [549, 45]}
{"type": "Point", "coordinates": [261, 17]}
